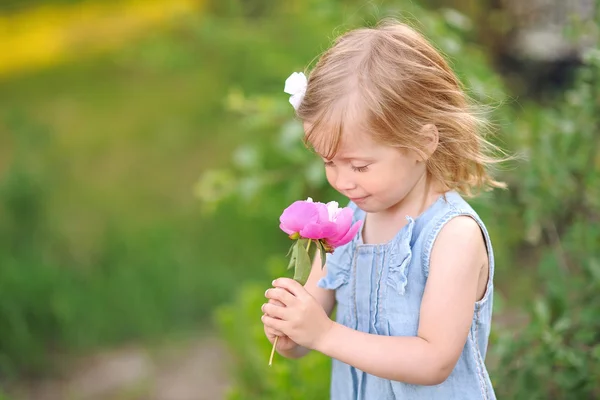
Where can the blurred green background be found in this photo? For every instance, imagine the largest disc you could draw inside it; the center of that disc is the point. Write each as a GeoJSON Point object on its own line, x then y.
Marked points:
{"type": "Point", "coordinates": [147, 150]}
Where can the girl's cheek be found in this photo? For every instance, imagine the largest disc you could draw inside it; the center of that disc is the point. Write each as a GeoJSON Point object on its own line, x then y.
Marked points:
{"type": "Point", "coordinates": [330, 175]}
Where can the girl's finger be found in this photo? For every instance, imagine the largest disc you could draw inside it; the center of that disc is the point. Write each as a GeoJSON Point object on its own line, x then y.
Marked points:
{"type": "Point", "coordinates": [276, 302]}
{"type": "Point", "coordinates": [273, 323]}
{"type": "Point", "coordinates": [274, 332]}
{"type": "Point", "coordinates": [274, 311]}
{"type": "Point", "coordinates": [291, 286]}
{"type": "Point", "coordinates": [280, 294]}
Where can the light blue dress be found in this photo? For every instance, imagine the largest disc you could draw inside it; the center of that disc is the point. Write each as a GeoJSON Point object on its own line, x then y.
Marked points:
{"type": "Point", "coordinates": [378, 289]}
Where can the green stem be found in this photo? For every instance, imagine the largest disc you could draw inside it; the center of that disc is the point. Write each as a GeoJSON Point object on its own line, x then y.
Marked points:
{"type": "Point", "coordinates": [273, 350]}
{"type": "Point", "coordinates": [276, 338]}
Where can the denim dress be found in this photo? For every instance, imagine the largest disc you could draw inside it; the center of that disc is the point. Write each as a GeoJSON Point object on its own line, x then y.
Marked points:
{"type": "Point", "coordinates": [378, 290]}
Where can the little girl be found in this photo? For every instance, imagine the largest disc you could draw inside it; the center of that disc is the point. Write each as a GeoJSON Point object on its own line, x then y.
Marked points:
{"type": "Point", "coordinates": [414, 288]}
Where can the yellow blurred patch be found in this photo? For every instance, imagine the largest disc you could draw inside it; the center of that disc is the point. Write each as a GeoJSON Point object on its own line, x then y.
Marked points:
{"type": "Point", "coordinates": [47, 35]}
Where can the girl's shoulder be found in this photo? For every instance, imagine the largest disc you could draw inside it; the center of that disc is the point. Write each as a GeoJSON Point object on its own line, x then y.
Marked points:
{"type": "Point", "coordinates": [448, 207]}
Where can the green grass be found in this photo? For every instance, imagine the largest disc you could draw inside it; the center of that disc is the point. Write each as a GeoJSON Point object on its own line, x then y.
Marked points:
{"type": "Point", "coordinates": [105, 241]}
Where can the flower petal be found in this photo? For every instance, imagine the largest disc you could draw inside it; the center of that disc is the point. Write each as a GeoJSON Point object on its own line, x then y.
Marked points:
{"type": "Point", "coordinates": [323, 212]}
{"type": "Point", "coordinates": [334, 209]}
{"type": "Point", "coordinates": [297, 215]}
{"type": "Point", "coordinates": [347, 237]}
{"type": "Point", "coordinates": [286, 229]}
{"type": "Point", "coordinates": [296, 100]}
{"type": "Point", "coordinates": [343, 223]}
{"type": "Point", "coordinates": [295, 83]}
{"type": "Point", "coordinates": [318, 230]}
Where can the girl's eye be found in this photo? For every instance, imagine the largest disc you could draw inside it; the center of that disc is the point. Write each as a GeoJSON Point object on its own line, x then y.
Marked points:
{"type": "Point", "coordinates": [360, 169]}
{"type": "Point", "coordinates": [328, 163]}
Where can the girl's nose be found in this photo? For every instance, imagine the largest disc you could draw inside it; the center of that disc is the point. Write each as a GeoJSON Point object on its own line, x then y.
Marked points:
{"type": "Point", "coordinates": [344, 182]}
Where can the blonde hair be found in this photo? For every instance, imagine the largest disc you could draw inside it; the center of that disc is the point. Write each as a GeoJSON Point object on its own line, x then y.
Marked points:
{"type": "Point", "coordinates": [395, 82]}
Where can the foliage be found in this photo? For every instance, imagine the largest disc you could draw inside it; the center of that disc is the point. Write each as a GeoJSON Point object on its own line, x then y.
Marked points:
{"type": "Point", "coordinates": [4, 396]}
{"type": "Point", "coordinates": [307, 378]}
{"type": "Point", "coordinates": [101, 239]}
{"type": "Point", "coordinates": [557, 355]}
{"type": "Point", "coordinates": [50, 298]}
{"type": "Point", "coordinates": [545, 227]}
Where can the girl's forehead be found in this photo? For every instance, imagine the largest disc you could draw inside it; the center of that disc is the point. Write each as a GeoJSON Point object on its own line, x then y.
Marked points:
{"type": "Point", "coordinates": [351, 142]}
{"type": "Point", "coordinates": [355, 142]}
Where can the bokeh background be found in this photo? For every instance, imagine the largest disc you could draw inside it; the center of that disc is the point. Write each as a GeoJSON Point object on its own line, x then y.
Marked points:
{"type": "Point", "coordinates": [147, 150]}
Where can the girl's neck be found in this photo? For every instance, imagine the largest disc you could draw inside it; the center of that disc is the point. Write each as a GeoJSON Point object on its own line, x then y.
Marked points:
{"type": "Point", "coordinates": [419, 198]}
{"type": "Point", "coordinates": [383, 226]}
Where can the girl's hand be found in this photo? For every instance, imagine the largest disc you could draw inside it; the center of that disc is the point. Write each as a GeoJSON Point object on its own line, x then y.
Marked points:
{"type": "Point", "coordinates": [302, 319]}
{"type": "Point", "coordinates": [284, 343]}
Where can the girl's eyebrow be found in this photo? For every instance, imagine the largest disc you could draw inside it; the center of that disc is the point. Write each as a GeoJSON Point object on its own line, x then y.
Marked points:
{"type": "Point", "coordinates": [349, 157]}
{"type": "Point", "coordinates": [356, 158]}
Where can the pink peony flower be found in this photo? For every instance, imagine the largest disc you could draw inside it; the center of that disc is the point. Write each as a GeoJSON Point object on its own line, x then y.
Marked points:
{"type": "Point", "coordinates": [318, 221]}
{"type": "Point", "coordinates": [328, 225]}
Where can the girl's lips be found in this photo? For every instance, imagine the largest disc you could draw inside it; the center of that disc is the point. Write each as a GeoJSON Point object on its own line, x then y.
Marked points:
{"type": "Point", "coordinates": [357, 199]}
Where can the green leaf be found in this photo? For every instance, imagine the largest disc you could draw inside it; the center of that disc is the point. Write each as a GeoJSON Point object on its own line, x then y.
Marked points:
{"type": "Point", "coordinates": [323, 253]}
{"type": "Point", "coordinates": [291, 249]}
{"type": "Point", "coordinates": [303, 243]}
{"type": "Point", "coordinates": [542, 311]}
{"type": "Point", "coordinates": [294, 251]}
{"type": "Point", "coordinates": [302, 264]}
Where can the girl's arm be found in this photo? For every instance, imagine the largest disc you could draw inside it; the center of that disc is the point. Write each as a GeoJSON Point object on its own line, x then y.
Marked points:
{"type": "Point", "coordinates": [445, 317]}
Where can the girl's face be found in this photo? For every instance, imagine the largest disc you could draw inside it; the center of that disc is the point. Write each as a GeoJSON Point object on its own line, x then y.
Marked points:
{"type": "Point", "coordinates": [374, 176]}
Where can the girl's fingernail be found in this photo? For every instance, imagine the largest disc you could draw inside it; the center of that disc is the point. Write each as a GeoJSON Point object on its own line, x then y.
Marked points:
{"type": "Point", "coordinates": [274, 282]}
{"type": "Point", "coordinates": [266, 291]}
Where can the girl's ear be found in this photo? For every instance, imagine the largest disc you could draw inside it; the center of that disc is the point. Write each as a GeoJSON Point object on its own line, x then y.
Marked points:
{"type": "Point", "coordinates": [430, 135]}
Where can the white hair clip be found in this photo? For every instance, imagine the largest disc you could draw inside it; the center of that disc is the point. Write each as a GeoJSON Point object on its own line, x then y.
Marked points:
{"type": "Point", "coordinates": [295, 85]}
